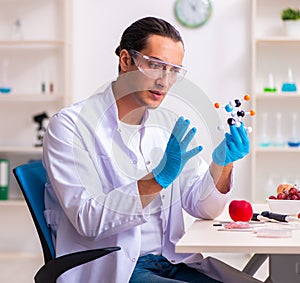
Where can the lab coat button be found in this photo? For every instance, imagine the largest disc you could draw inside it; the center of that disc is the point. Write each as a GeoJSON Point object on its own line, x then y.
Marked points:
{"type": "Point", "coordinates": [133, 259]}
{"type": "Point", "coordinates": [148, 162]}
{"type": "Point", "coordinates": [134, 161]}
{"type": "Point", "coordinates": [173, 260]}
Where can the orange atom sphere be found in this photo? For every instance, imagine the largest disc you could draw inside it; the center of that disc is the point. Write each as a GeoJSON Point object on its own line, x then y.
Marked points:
{"type": "Point", "coordinates": [252, 112]}
{"type": "Point", "coordinates": [247, 97]}
{"type": "Point", "coordinates": [217, 105]}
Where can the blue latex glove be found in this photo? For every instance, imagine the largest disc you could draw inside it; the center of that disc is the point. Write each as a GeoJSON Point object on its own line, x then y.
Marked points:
{"type": "Point", "coordinates": [234, 146]}
{"type": "Point", "coordinates": [175, 156]}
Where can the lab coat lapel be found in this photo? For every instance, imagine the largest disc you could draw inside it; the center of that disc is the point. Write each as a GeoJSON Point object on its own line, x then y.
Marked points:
{"type": "Point", "coordinates": [170, 197]}
{"type": "Point", "coordinates": [166, 200]}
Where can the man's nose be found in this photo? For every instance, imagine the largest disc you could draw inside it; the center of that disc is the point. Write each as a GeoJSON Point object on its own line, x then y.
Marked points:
{"type": "Point", "coordinates": [164, 78]}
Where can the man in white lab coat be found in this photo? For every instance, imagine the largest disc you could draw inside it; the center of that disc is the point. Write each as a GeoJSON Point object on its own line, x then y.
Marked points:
{"type": "Point", "coordinates": [121, 170]}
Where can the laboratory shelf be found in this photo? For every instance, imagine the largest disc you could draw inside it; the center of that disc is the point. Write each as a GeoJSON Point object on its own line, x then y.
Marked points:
{"type": "Point", "coordinates": [277, 39]}
{"type": "Point", "coordinates": [20, 149]}
{"type": "Point", "coordinates": [274, 149]}
{"type": "Point", "coordinates": [275, 61]}
{"type": "Point", "coordinates": [35, 63]}
{"type": "Point", "coordinates": [13, 203]}
{"type": "Point", "coordinates": [26, 97]}
{"type": "Point", "coordinates": [277, 95]}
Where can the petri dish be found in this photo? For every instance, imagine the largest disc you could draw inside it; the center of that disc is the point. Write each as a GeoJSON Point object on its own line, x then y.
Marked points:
{"type": "Point", "coordinates": [269, 232]}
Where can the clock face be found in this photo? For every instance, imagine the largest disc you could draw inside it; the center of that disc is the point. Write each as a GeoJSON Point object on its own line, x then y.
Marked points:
{"type": "Point", "coordinates": [193, 13]}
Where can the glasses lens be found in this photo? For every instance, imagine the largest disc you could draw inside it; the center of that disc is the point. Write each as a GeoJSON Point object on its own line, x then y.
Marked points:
{"type": "Point", "coordinates": [156, 69]}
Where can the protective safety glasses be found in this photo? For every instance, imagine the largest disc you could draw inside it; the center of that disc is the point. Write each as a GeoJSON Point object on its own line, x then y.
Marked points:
{"type": "Point", "coordinates": [157, 69]}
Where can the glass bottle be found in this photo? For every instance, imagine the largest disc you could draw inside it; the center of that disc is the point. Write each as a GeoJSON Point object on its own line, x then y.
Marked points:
{"type": "Point", "coordinates": [4, 84]}
{"type": "Point", "coordinates": [271, 87]}
{"type": "Point", "coordinates": [278, 139]}
{"type": "Point", "coordinates": [264, 139]}
{"type": "Point", "coordinates": [290, 85]}
{"type": "Point", "coordinates": [271, 186]}
{"type": "Point", "coordinates": [294, 139]}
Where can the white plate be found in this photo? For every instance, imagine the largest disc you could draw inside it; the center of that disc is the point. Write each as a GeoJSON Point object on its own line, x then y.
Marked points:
{"type": "Point", "coordinates": [289, 207]}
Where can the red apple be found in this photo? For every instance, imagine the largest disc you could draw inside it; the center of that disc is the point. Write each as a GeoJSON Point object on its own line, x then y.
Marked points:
{"type": "Point", "coordinates": [240, 210]}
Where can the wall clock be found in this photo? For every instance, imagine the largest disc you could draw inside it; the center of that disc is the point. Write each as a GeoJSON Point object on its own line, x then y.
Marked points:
{"type": "Point", "coordinates": [193, 13]}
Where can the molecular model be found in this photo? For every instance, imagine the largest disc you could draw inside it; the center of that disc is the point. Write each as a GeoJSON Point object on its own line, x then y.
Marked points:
{"type": "Point", "coordinates": [236, 113]}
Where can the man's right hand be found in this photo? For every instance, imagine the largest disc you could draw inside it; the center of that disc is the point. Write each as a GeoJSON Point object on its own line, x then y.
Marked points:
{"type": "Point", "coordinates": [176, 156]}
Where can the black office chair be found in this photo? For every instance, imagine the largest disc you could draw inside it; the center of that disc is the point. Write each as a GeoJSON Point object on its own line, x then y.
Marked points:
{"type": "Point", "coordinates": [31, 178]}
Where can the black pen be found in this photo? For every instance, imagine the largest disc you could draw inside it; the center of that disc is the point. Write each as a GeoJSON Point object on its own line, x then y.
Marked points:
{"type": "Point", "coordinates": [275, 216]}
{"type": "Point", "coordinates": [280, 217]}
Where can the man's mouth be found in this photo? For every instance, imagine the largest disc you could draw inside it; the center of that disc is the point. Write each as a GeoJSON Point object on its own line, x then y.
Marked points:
{"type": "Point", "coordinates": [156, 93]}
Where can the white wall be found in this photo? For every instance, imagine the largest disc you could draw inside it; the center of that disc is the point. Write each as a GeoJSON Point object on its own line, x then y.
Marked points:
{"type": "Point", "coordinates": [217, 54]}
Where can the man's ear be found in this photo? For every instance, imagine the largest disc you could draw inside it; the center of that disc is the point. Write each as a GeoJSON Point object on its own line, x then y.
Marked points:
{"type": "Point", "coordinates": [125, 60]}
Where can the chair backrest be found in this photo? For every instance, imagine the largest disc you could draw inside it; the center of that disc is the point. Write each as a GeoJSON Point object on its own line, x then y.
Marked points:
{"type": "Point", "coordinates": [31, 178]}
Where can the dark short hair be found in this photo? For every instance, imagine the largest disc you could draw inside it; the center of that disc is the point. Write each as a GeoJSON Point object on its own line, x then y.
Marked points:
{"type": "Point", "coordinates": [136, 35]}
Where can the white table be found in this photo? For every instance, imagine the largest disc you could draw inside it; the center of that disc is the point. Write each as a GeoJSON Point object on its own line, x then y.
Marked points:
{"type": "Point", "coordinates": [283, 253]}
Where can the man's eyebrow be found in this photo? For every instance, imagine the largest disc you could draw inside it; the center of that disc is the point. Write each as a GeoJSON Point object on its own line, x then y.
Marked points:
{"type": "Point", "coordinates": [153, 57]}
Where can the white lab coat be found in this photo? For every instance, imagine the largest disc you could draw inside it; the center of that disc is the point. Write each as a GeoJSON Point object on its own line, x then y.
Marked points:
{"type": "Point", "coordinates": [92, 198]}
